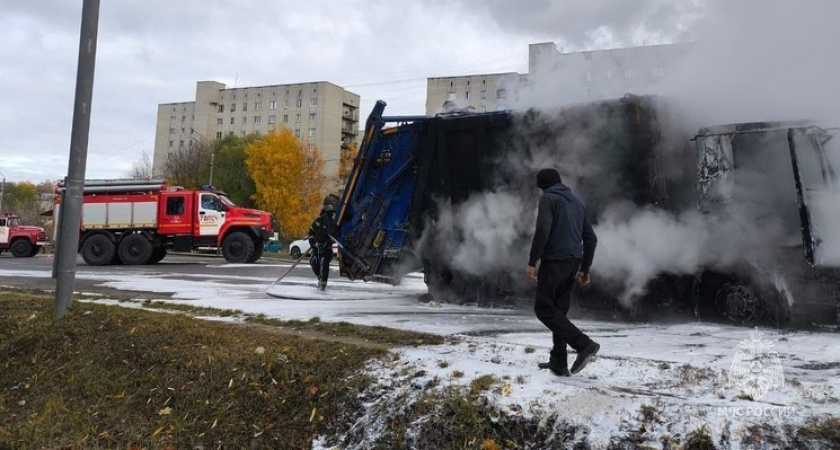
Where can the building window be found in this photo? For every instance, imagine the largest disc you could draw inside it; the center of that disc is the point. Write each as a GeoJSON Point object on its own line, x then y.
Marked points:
{"type": "Point", "coordinates": [297, 118]}
{"type": "Point", "coordinates": [483, 94]}
{"type": "Point", "coordinates": [245, 106]}
{"type": "Point", "coordinates": [285, 118]}
{"type": "Point", "coordinates": [172, 130]}
{"type": "Point", "coordinates": [257, 119]}
{"type": "Point", "coordinates": [297, 132]}
{"type": "Point", "coordinates": [311, 147]}
{"type": "Point", "coordinates": [182, 130]}
{"type": "Point", "coordinates": [221, 108]}
{"type": "Point", "coordinates": [218, 135]}
{"type": "Point", "coordinates": [232, 120]}
{"type": "Point", "coordinates": [272, 119]}
{"type": "Point", "coordinates": [172, 119]}
{"type": "Point", "coordinates": [451, 96]}
{"type": "Point", "coordinates": [311, 132]}
{"type": "Point", "coordinates": [257, 106]}
{"type": "Point", "coordinates": [230, 133]}
{"type": "Point", "coordinates": [299, 103]}
{"type": "Point", "coordinates": [286, 103]}
{"type": "Point", "coordinates": [313, 102]}
{"type": "Point", "coordinates": [183, 119]}
{"type": "Point", "coordinates": [181, 144]}
{"type": "Point", "coordinates": [242, 133]}
{"type": "Point", "coordinates": [219, 121]}
{"type": "Point", "coordinates": [312, 117]}
{"type": "Point", "coordinates": [272, 105]}
{"type": "Point", "coordinates": [501, 93]}
{"type": "Point", "coordinates": [170, 143]}
{"type": "Point", "coordinates": [233, 107]}
{"type": "Point", "coordinates": [467, 95]}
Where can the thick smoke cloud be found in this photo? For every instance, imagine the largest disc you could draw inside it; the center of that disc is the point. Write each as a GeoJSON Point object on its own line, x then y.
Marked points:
{"type": "Point", "coordinates": [752, 61]}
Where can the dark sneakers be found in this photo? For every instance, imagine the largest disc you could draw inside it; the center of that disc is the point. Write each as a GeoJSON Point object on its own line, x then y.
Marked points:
{"type": "Point", "coordinates": [585, 356]}
{"type": "Point", "coordinates": [559, 370]}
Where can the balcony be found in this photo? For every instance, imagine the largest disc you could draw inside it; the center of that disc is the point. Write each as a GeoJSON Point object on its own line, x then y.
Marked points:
{"type": "Point", "coordinates": [349, 130]}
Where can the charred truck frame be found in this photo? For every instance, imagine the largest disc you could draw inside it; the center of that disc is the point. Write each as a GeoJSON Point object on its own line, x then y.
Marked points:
{"type": "Point", "coordinates": [623, 152]}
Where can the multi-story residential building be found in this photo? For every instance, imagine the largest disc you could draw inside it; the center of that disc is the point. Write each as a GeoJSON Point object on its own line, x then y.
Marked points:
{"type": "Point", "coordinates": [482, 93]}
{"type": "Point", "coordinates": [321, 114]}
{"type": "Point", "coordinates": [602, 74]}
{"type": "Point", "coordinates": [555, 77]}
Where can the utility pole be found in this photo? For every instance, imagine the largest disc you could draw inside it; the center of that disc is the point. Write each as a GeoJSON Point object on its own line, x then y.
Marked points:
{"type": "Point", "coordinates": [71, 208]}
{"type": "Point", "coordinates": [212, 153]}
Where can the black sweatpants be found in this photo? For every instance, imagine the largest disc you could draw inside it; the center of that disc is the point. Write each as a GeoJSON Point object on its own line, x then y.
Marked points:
{"type": "Point", "coordinates": [322, 254]}
{"type": "Point", "coordinates": [555, 281]}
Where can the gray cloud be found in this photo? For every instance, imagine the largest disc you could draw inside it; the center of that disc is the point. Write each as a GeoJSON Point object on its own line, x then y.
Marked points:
{"type": "Point", "coordinates": [154, 51]}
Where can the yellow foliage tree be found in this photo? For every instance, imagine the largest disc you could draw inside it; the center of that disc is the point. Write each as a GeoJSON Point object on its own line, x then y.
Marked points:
{"type": "Point", "coordinates": [288, 180]}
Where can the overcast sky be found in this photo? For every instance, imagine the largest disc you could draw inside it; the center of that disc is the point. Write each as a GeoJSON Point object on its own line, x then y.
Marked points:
{"type": "Point", "coordinates": [153, 51]}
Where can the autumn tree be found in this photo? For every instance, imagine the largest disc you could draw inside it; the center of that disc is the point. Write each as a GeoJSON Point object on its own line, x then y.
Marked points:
{"type": "Point", "coordinates": [141, 169]}
{"type": "Point", "coordinates": [345, 164]}
{"type": "Point", "coordinates": [189, 166]}
{"type": "Point", "coordinates": [288, 180]}
{"type": "Point", "coordinates": [24, 200]}
{"type": "Point", "coordinates": [230, 173]}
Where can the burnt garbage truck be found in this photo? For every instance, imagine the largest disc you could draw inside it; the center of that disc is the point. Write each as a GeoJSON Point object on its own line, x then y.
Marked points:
{"type": "Point", "coordinates": [454, 195]}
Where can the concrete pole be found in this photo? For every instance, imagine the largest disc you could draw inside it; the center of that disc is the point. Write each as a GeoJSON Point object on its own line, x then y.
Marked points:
{"type": "Point", "coordinates": [71, 209]}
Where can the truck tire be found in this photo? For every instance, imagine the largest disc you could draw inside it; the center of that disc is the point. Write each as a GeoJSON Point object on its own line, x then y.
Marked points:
{"type": "Point", "coordinates": [157, 255]}
{"type": "Point", "coordinates": [258, 252]}
{"type": "Point", "coordinates": [21, 248]}
{"type": "Point", "coordinates": [35, 250]}
{"type": "Point", "coordinates": [238, 248]}
{"type": "Point", "coordinates": [135, 249]}
{"type": "Point", "coordinates": [98, 250]}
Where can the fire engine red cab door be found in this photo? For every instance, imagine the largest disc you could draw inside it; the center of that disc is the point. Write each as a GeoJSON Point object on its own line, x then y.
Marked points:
{"type": "Point", "coordinates": [175, 214]}
{"type": "Point", "coordinates": [4, 232]}
{"type": "Point", "coordinates": [210, 215]}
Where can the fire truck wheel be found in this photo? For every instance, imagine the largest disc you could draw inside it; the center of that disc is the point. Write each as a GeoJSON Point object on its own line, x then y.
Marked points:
{"type": "Point", "coordinates": [258, 251]}
{"type": "Point", "coordinates": [98, 250]}
{"type": "Point", "coordinates": [21, 248]}
{"type": "Point", "coordinates": [135, 249]}
{"type": "Point", "coordinates": [157, 255]}
{"type": "Point", "coordinates": [238, 248]}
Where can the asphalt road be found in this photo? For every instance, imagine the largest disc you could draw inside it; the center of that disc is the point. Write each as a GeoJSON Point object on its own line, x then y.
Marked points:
{"type": "Point", "coordinates": [35, 272]}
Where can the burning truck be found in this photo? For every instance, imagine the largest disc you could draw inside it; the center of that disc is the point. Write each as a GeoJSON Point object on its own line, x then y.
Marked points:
{"type": "Point", "coordinates": [750, 209]}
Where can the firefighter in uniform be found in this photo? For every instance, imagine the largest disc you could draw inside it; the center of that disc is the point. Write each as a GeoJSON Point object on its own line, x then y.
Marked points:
{"type": "Point", "coordinates": [319, 239]}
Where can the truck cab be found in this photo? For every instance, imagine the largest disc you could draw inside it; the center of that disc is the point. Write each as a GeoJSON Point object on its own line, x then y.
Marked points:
{"type": "Point", "coordinates": [21, 240]}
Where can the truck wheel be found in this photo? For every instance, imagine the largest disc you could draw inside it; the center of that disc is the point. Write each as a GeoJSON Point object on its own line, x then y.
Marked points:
{"type": "Point", "coordinates": [157, 255]}
{"type": "Point", "coordinates": [21, 248]}
{"type": "Point", "coordinates": [35, 250]}
{"type": "Point", "coordinates": [98, 250]}
{"type": "Point", "coordinates": [135, 249]}
{"type": "Point", "coordinates": [258, 252]}
{"type": "Point", "coordinates": [238, 248]}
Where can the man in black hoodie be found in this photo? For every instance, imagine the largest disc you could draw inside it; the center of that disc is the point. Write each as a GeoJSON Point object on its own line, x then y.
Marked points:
{"type": "Point", "coordinates": [564, 243]}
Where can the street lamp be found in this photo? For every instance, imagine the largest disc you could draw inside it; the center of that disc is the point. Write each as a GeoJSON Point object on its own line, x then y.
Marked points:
{"type": "Point", "coordinates": [212, 153]}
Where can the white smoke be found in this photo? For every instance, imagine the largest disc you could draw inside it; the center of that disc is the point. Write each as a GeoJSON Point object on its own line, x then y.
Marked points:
{"type": "Point", "coordinates": [478, 235]}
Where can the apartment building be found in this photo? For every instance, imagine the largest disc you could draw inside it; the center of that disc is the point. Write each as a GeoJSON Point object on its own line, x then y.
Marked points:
{"type": "Point", "coordinates": [321, 114]}
{"type": "Point", "coordinates": [564, 77]}
{"type": "Point", "coordinates": [481, 93]}
{"type": "Point", "coordinates": [603, 74]}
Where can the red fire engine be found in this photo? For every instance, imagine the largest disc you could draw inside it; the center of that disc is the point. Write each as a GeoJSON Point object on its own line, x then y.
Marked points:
{"type": "Point", "coordinates": [137, 221]}
{"type": "Point", "coordinates": [21, 240]}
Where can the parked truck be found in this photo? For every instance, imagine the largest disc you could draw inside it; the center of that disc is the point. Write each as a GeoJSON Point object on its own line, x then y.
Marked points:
{"type": "Point", "coordinates": [624, 156]}
{"type": "Point", "coordinates": [138, 221]}
{"type": "Point", "coordinates": [21, 240]}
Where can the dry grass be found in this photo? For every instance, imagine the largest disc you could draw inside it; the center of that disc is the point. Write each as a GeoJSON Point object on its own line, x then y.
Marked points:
{"type": "Point", "coordinates": [112, 377]}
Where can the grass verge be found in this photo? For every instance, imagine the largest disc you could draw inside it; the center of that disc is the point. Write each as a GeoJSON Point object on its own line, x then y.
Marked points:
{"type": "Point", "coordinates": [104, 377]}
